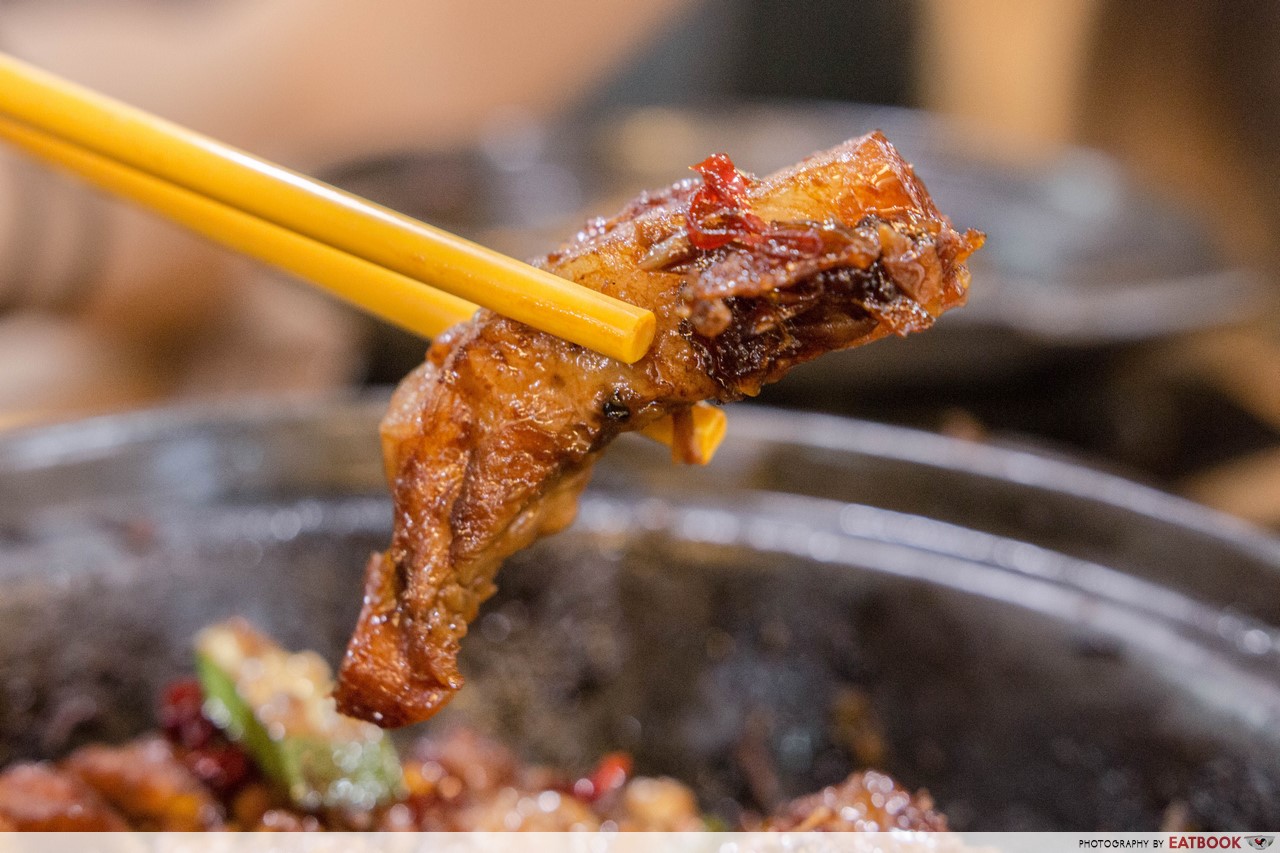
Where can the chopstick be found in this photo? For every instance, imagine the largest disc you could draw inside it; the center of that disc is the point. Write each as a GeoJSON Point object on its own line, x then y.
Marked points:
{"type": "Point", "coordinates": [393, 297]}
{"type": "Point", "coordinates": [376, 289]}
{"type": "Point", "coordinates": [324, 214]}
{"type": "Point", "coordinates": [707, 426]}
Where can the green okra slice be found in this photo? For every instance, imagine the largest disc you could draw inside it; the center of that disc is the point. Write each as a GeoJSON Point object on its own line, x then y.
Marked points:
{"type": "Point", "coordinates": [278, 706]}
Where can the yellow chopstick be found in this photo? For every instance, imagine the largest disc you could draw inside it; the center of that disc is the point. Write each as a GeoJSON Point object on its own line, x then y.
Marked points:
{"type": "Point", "coordinates": [709, 425]}
{"type": "Point", "coordinates": [396, 298]}
{"type": "Point", "coordinates": [322, 213]}
{"type": "Point", "coordinates": [373, 288]}
{"type": "Point", "coordinates": [393, 297]}
{"type": "Point", "coordinates": [379, 291]}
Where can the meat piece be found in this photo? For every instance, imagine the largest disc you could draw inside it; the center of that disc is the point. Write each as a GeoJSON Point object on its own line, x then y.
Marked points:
{"type": "Point", "coordinates": [464, 781]}
{"type": "Point", "coordinates": [865, 802]}
{"type": "Point", "coordinates": [512, 810]}
{"type": "Point", "coordinates": [481, 765]}
{"type": "Point", "coordinates": [659, 805]}
{"type": "Point", "coordinates": [41, 798]}
{"type": "Point", "coordinates": [489, 443]}
{"type": "Point", "coordinates": [287, 820]}
{"type": "Point", "coordinates": [147, 782]}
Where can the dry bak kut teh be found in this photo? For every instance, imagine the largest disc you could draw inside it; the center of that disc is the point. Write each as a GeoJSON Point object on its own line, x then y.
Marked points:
{"type": "Point", "coordinates": [489, 443]}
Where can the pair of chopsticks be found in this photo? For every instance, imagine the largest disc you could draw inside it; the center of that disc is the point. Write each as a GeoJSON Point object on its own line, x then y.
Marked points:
{"type": "Point", "coordinates": [409, 273]}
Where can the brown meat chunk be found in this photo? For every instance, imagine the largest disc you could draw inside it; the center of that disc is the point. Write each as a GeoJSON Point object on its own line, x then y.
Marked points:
{"type": "Point", "coordinates": [41, 798]}
{"type": "Point", "coordinates": [865, 802]}
{"type": "Point", "coordinates": [660, 804]}
{"type": "Point", "coordinates": [490, 441]}
{"type": "Point", "coordinates": [146, 782]}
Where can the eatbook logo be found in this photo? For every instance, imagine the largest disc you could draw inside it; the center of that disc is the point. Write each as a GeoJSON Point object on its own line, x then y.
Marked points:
{"type": "Point", "coordinates": [1261, 842]}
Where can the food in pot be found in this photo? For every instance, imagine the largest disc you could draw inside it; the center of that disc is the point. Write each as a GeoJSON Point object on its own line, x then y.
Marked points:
{"type": "Point", "coordinates": [489, 443]}
{"type": "Point", "coordinates": [256, 744]}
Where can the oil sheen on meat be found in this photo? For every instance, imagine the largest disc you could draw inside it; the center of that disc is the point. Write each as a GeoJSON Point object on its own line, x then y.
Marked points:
{"type": "Point", "coordinates": [489, 443]}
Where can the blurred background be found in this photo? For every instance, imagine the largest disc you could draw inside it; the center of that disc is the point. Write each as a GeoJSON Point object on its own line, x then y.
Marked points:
{"type": "Point", "coordinates": [1121, 156]}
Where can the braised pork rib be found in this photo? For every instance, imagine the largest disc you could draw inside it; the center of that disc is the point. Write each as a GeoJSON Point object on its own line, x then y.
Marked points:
{"type": "Point", "coordinates": [489, 443]}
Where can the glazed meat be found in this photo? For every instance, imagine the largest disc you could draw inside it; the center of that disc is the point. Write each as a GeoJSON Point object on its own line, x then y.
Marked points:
{"type": "Point", "coordinates": [489, 443]}
{"type": "Point", "coordinates": [145, 781]}
{"type": "Point", "coordinates": [41, 798]}
{"type": "Point", "coordinates": [454, 781]}
{"type": "Point", "coordinates": [864, 802]}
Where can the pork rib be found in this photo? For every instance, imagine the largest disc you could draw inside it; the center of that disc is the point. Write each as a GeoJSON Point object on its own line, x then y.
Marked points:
{"type": "Point", "coordinates": [489, 443]}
